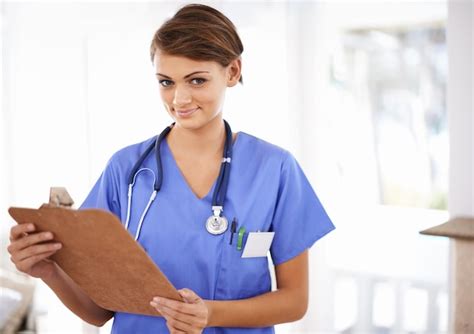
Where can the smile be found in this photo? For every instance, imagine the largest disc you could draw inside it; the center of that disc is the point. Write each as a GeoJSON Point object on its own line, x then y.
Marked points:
{"type": "Point", "coordinates": [186, 113]}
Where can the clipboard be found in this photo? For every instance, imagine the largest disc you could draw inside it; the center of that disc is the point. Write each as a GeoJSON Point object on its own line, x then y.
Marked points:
{"type": "Point", "coordinates": [101, 257]}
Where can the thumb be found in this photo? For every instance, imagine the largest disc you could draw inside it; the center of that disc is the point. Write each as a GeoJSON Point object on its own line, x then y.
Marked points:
{"type": "Point", "coordinates": [189, 296]}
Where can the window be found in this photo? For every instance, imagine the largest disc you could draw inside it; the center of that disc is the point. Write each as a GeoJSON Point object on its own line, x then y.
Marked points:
{"type": "Point", "coordinates": [393, 83]}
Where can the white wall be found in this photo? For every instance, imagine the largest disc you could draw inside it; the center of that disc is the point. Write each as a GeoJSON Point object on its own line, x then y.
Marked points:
{"type": "Point", "coordinates": [460, 108]}
{"type": "Point", "coordinates": [461, 119]}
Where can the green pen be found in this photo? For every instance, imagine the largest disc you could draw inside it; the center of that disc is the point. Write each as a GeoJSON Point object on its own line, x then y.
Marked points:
{"type": "Point", "coordinates": [240, 237]}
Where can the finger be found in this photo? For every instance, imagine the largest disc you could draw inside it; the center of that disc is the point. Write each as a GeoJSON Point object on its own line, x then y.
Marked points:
{"type": "Point", "coordinates": [29, 240]}
{"type": "Point", "coordinates": [35, 250]}
{"type": "Point", "coordinates": [176, 305]}
{"type": "Point", "coordinates": [178, 326]}
{"type": "Point", "coordinates": [25, 266]}
{"type": "Point", "coordinates": [19, 230]}
{"type": "Point", "coordinates": [189, 296]}
{"type": "Point", "coordinates": [173, 330]}
{"type": "Point", "coordinates": [170, 313]}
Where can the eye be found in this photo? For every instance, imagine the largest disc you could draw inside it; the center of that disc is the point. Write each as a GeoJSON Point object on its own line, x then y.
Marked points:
{"type": "Point", "coordinates": [198, 81]}
{"type": "Point", "coordinates": [165, 83]}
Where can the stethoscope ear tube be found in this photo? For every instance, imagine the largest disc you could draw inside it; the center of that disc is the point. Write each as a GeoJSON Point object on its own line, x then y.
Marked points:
{"type": "Point", "coordinates": [129, 204]}
{"type": "Point", "coordinates": [218, 197]}
{"type": "Point", "coordinates": [159, 180]}
{"type": "Point", "coordinates": [137, 165]}
{"type": "Point", "coordinates": [142, 218]}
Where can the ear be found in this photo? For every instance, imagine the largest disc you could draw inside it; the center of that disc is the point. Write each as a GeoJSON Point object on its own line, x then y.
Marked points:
{"type": "Point", "coordinates": [234, 70]}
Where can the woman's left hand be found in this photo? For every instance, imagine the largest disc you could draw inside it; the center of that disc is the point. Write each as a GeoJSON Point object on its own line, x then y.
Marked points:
{"type": "Point", "coordinates": [190, 316]}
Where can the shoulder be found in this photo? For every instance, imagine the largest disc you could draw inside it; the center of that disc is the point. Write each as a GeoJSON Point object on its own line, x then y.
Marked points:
{"type": "Point", "coordinates": [263, 151]}
{"type": "Point", "coordinates": [131, 152]}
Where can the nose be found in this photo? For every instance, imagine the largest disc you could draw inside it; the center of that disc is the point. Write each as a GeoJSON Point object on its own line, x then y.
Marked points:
{"type": "Point", "coordinates": [181, 97]}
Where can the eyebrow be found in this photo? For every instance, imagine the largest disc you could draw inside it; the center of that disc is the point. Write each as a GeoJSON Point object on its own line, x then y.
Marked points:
{"type": "Point", "coordinates": [187, 76]}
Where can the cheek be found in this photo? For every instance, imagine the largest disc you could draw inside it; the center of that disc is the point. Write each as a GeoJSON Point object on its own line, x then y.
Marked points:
{"type": "Point", "coordinates": [209, 96]}
{"type": "Point", "coordinates": [166, 96]}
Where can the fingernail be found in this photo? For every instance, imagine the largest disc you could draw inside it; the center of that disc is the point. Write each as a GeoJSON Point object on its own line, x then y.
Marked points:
{"type": "Point", "coordinates": [157, 300]}
{"type": "Point", "coordinates": [30, 227]}
{"type": "Point", "coordinates": [57, 246]}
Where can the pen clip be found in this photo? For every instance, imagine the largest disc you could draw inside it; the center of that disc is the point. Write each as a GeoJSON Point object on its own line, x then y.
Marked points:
{"type": "Point", "coordinates": [233, 229]}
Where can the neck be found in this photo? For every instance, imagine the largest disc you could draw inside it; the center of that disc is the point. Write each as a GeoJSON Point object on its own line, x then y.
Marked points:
{"type": "Point", "coordinates": [209, 138]}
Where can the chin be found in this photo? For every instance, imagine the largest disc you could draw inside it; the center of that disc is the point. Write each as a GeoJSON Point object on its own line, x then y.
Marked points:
{"type": "Point", "coordinates": [189, 124]}
{"type": "Point", "coordinates": [193, 123]}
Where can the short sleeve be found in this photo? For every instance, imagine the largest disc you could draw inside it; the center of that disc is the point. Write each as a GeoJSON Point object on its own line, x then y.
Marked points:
{"type": "Point", "coordinates": [299, 219]}
{"type": "Point", "coordinates": [104, 194]}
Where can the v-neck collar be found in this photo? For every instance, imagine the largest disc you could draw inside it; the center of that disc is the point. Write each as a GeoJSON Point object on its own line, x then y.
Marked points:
{"type": "Point", "coordinates": [183, 179]}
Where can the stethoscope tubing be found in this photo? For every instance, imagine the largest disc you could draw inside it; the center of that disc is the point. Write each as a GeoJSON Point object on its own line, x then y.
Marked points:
{"type": "Point", "coordinates": [220, 190]}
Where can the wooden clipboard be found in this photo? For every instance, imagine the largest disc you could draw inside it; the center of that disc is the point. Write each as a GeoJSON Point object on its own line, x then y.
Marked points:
{"type": "Point", "coordinates": [101, 257]}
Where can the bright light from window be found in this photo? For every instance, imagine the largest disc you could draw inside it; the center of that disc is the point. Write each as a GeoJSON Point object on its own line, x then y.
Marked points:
{"type": "Point", "coordinates": [443, 310]}
{"type": "Point", "coordinates": [384, 305]}
{"type": "Point", "coordinates": [345, 303]}
{"type": "Point", "coordinates": [415, 309]}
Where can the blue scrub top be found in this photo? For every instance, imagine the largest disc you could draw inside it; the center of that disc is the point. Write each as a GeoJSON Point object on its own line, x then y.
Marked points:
{"type": "Point", "coordinates": [267, 191]}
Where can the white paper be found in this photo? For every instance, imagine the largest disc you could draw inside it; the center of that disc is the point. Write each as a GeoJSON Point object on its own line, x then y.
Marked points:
{"type": "Point", "coordinates": [258, 244]}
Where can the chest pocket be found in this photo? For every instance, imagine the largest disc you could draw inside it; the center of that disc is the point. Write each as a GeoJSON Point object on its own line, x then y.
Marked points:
{"type": "Point", "coordinates": [238, 277]}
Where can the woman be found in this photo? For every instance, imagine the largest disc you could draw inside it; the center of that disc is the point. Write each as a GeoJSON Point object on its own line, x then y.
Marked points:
{"type": "Point", "coordinates": [215, 193]}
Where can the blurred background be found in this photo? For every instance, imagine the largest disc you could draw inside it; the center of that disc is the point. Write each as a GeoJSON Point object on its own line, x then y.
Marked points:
{"type": "Point", "coordinates": [357, 91]}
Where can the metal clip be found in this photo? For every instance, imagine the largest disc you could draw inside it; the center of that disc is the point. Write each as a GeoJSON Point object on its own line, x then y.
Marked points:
{"type": "Point", "coordinates": [58, 196]}
{"type": "Point", "coordinates": [217, 211]}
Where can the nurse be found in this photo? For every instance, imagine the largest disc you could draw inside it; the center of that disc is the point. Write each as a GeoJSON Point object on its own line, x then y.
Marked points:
{"type": "Point", "coordinates": [205, 203]}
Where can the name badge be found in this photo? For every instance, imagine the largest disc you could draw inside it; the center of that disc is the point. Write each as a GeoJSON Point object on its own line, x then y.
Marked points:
{"type": "Point", "coordinates": [258, 244]}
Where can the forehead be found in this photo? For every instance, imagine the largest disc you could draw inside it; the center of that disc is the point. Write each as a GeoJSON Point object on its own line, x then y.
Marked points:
{"type": "Point", "coordinates": [179, 66]}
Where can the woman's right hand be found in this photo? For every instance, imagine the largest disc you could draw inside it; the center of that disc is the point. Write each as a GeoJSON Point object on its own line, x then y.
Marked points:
{"type": "Point", "coordinates": [30, 250]}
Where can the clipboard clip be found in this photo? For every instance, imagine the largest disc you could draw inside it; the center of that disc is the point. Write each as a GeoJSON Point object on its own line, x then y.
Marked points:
{"type": "Point", "coordinates": [59, 197]}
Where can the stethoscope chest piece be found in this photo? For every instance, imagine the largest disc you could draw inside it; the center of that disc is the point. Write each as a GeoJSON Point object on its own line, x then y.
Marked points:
{"type": "Point", "coordinates": [216, 224]}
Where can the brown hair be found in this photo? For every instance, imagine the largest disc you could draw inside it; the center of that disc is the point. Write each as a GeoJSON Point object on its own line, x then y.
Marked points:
{"type": "Point", "coordinates": [198, 32]}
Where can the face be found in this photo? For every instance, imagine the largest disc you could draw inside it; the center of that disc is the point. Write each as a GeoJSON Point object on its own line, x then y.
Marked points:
{"type": "Point", "coordinates": [193, 91]}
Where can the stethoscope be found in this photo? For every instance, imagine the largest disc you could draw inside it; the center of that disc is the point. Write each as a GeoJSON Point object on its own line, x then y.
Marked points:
{"type": "Point", "coordinates": [217, 223]}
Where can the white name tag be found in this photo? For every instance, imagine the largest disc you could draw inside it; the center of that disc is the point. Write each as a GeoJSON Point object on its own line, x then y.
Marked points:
{"type": "Point", "coordinates": [258, 244]}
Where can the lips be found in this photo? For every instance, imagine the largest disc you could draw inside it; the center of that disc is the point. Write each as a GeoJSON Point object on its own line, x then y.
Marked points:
{"type": "Point", "coordinates": [186, 112]}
